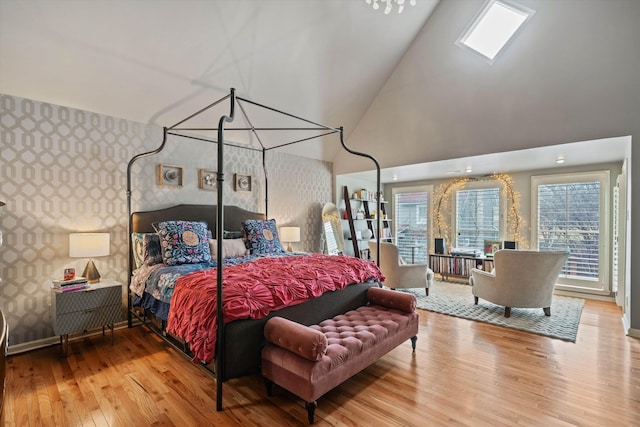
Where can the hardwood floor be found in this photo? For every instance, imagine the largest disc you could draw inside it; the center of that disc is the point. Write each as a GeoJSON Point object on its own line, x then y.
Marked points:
{"type": "Point", "coordinates": [463, 373]}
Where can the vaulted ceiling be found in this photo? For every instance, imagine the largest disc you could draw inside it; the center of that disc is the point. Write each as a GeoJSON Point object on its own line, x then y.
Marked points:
{"type": "Point", "coordinates": [159, 61]}
{"type": "Point", "coordinates": [397, 83]}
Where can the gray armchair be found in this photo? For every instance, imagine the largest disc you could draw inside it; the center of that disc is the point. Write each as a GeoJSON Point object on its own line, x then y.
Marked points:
{"type": "Point", "coordinates": [398, 275]}
{"type": "Point", "coordinates": [524, 279]}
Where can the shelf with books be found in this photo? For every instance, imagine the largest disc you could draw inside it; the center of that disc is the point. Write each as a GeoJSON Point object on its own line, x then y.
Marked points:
{"type": "Point", "coordinates": [360, 214]}
{"type": "Point", "coordinates": [459, 267]}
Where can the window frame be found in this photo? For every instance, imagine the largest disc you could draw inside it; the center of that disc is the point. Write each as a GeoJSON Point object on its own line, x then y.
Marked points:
{"type": "Point", "coordinates": [480, 185]}
{"type": "Point", "coordinates": [427, 188]}
{"type": "Point", "coordinates": [602, 284]}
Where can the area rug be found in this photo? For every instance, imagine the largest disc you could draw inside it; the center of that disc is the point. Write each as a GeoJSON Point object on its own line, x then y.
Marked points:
{"type": "Point", "coordinates": [457, 300]}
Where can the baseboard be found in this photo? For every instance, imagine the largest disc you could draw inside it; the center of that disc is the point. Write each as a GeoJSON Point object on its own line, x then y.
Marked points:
{"type": "Point", "coordinates": [47, 342]}
{"type": "Point", "coordinates": [608, 298]}
{"type": "Point", "coordinates": [632, 332]}
{"type": "Point", "coordinates": [32, 345]}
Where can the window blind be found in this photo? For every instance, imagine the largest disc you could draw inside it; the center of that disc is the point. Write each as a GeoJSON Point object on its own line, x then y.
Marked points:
{"type": "Point", "coordinates": [477, 217]}
{"type": "Point", "coordinates": [569, 219]}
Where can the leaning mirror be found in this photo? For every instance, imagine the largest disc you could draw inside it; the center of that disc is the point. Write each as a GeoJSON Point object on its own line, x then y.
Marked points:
{"type": "Point", "coordinates": [332, 229]}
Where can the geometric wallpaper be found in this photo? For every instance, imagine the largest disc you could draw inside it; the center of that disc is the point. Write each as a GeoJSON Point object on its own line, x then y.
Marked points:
{"type": "Point", "coordinates": [63, 170]}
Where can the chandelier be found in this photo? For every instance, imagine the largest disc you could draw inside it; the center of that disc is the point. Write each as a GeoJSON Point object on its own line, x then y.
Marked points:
{"type": "Point", "coordinates": [389, 4]}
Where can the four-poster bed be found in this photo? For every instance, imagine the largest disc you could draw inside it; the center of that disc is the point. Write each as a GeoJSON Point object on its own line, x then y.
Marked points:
{"type": "Point", "coordinates": [238, 341]}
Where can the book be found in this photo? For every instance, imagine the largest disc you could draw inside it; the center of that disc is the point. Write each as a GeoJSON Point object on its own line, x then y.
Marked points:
{"type": "Point", "coordinates": [71, 288]}
{"type": "Point", "coordinates": [63, 283]}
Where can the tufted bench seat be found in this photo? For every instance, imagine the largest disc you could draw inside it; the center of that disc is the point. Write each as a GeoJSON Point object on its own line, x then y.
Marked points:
{"type": "Point", "coordinates": [311, 360]}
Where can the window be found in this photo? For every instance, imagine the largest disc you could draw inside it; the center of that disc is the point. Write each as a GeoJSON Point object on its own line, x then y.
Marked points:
{"type": "Point", "coordinates": [571, 214]}
{"type": "Point", "coordinates": [411, 207]}
{"type": "Point", "coordinates": [494, 26]}
{"type": "Point", "coordinates": [477, 217]}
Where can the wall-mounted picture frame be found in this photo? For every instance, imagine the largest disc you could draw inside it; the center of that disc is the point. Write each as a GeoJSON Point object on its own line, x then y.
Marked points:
{"type": "Point", "coordinates": [169, 175]}
{"type": "Point", "coordinates": [207, 179]}
{"type": "Point", "coordinates": [242, 182]}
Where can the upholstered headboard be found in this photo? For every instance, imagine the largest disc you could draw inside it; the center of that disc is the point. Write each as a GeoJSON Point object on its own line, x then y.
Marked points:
{"type": "Point", "coordinates": [233, 217]}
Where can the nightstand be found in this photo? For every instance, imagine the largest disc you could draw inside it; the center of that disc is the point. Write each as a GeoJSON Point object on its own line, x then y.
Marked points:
{"type": "Point", "coordinates": [98, 305]}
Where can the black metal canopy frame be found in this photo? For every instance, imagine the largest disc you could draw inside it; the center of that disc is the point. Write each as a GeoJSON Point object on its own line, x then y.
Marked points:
{"type": "Point", "coordinates": [176, 130]}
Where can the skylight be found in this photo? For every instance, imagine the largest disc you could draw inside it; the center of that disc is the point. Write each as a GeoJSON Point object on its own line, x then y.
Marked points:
{"type": "Point", "coordinates": [494, 26]}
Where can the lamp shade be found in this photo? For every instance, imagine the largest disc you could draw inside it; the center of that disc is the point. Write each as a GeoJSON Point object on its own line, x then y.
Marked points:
{"type": "Point", "coordinates": [290, 234]}
{"type": "Point", "coordinates": [88, 245]}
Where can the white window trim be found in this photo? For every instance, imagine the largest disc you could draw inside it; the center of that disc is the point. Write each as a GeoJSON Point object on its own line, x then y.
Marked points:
{"type": "Point", "coordinates": [601, 286]}
{"type": "Point", "coordinates": [477, 185]}
{"type": "Point", "coordinates": [414, 189]}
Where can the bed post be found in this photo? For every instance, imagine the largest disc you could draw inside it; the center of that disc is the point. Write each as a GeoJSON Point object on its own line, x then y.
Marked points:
{"type": "Point", "coordinates": [266, 183]}
{"type": "Point", "coordinates": [130, 222]}
{"type": "Point", "coordinates": [219, 235]}
{"type": "Point", "coordinates": [378, 192]}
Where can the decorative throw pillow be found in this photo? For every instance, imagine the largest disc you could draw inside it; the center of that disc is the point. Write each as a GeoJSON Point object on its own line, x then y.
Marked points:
{"type": "Point", "coordinates": [137, 240]}
{"type": "Point", "coordinates": [152, 249]}
{"type": "Point", "coordinates": [183, 242]}
{"type": "Point", "coordinates": [146, 249]}
{"type": "Point", "coordinates": [262, 236]}
{"type": "Point", "coordinates": [231, 248]}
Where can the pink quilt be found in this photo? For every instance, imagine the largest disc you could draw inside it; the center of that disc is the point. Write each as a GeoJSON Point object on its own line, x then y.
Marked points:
{"type": "Point", "coordinates": [253, 290]}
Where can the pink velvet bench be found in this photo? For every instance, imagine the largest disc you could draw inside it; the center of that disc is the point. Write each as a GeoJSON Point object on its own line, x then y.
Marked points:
{"type": "Point", "coordinates": [308, 361]}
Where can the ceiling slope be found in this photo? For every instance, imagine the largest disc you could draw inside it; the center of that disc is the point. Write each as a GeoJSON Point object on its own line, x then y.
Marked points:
{"type": "Point", "coordinates": [158, 62]}
{"type": "Point", "coordinates": [569, 76]}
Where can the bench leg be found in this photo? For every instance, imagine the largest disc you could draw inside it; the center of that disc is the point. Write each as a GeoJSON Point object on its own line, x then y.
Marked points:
{"type": "Point", "coordinates": [311, 409]}
{"type": "Point", "coordinates": [269, 385]}
{"type": "Point", "coordinates": [413, 342]}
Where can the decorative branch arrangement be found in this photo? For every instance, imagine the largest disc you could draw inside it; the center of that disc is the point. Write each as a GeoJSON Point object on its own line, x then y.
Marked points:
{"type": "Point", "coordinates": [515, 224]}
{"type": "Point", "coordinates": [441, 212]}
{"type": "Point", "coordinates": [442, 206]}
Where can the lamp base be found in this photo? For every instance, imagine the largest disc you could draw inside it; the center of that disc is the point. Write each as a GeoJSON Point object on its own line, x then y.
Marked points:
{"type": "Point", "coordinates": [91, 273]}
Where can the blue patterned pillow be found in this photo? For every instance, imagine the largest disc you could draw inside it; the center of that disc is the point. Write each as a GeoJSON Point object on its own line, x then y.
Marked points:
{"type": "Point", "coordinates": [183, 242]}
{"type": "Point", "coordinates": [262, 236]}
{"type": "Point", "coordinates": [146, 249]}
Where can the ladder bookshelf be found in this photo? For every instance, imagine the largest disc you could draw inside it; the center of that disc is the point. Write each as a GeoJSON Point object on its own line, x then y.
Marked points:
{"type": "Point", "coordinates": [368, 221]}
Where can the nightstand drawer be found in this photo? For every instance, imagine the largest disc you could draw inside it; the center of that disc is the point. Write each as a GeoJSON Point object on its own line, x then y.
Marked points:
{"type": "Point", "coordinates": [78, 301]}
{"type": "Point", "coordinates": [87, 318]}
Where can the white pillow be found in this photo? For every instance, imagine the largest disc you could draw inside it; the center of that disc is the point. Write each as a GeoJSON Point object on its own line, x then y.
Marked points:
{"type": "Point", "coordinates": [231, 248]}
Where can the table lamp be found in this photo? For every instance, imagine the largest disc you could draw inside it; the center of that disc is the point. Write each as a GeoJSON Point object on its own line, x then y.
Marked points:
{"type": "Point", "coordinates": [289, 235]}
{"type": "Point", "coordinates": [89, 245]}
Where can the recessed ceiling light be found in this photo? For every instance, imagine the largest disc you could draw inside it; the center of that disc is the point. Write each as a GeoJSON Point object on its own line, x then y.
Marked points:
{"type": "Point", "coordinates": [469, 169]}
{"type": "Point", "coordinates": [394, 177]}
{"type": "Point", "coordinates": [494, 26]}
{"type": "Point", "coordinates": [560, 160]}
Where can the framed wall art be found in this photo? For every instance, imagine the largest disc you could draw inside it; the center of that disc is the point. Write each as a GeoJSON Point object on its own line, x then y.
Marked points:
{"type": "Point", "coordinates": [207, 179]}
{"type": "Point", "coordinates": [169, 175]}
{"type": "Point", "coordinates": [491, 247]}
{"type": "Point", "coordinates": [242, 182]}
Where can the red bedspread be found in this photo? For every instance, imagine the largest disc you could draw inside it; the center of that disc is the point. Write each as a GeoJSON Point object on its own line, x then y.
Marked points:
{"type": "Point", "coordinates": [253, 290]}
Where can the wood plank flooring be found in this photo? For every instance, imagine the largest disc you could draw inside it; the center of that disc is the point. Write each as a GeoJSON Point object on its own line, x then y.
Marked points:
{"type": "Point", "coordinates": [463, 373]}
